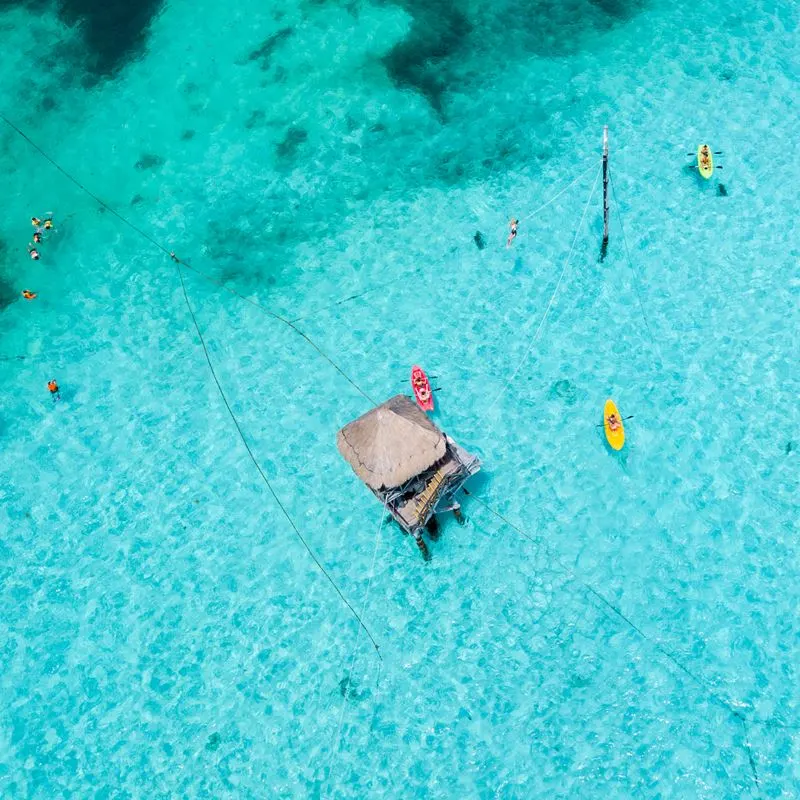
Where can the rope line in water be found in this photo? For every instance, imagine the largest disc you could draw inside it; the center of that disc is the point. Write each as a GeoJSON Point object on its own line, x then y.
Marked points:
{"type": "Point", "coordinates": [188, 266]}
{"type": "Point", "coordinates": [720, 700]}
{"type": "Point", "coordinates": [552, 299]}
{"type": "Point", "coordinates": [239, 430]}
{"type": "Point", "coordinates": [322, 310]}
{"type": "Point", "coordinates": [417, 271]}
{"type": "Point", "coordinates": [556, 196]}
{"type": "Point", "coordinates": [261, 471]}
{"type": "Point", "coordinates": [712, 694]}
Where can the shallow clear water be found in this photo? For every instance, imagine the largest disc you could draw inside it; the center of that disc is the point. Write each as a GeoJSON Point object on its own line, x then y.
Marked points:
{"type": "Point", "coordinates": [163, 632]}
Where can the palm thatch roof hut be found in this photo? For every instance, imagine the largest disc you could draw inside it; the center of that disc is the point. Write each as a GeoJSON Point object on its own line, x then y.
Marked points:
{"type": "Point", "coordinates": [408, 463]}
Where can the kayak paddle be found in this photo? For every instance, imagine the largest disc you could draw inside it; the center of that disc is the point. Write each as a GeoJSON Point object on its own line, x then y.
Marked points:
{"type": "Point", "coordinates": [603, 424]}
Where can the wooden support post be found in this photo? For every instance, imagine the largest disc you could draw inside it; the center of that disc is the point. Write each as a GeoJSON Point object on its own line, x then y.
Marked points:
{"type": "Point", "coordinates": [423, 548]}
{"type": "Point", "coordinates": [604, 246]}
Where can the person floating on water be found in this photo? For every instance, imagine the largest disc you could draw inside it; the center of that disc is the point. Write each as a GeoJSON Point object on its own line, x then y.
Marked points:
{"type": "Point", "coordinates": [34, 253]}
{"type": "Point", "coordinates": [43, 224]}
{"type": "Point", "coordinates": [28, 294]}
{"type": "Point", "coordinates": [513, 235]}
{"type": "Point", "coordinates": [614, 423]}
{"type": "Point", "coordinates": [54, 391]}
{"type": "Point", "coordinates": [37, 237]}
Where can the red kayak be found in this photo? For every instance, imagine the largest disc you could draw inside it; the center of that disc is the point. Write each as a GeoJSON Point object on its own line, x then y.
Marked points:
{"type": "Point", "coordinates": [422, 388]}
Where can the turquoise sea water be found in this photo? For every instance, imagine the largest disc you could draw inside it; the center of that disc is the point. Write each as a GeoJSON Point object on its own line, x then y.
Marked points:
{"type": "Point", "coordinates": [163, 633]}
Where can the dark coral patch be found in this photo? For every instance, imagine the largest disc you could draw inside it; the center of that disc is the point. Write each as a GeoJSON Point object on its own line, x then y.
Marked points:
{"type": "Point", "coordinates": [149, 161]}
{"type": "Point", "coordinates": [114, 30]}
{"type": "Point", "coordinates": [438, 32]}
{"type": "Point", "coordinates": [255, 119]}
{"type": "Point", "coordinates": [264, 52]}
{"type": "Point", "coordinates": [287, 148]}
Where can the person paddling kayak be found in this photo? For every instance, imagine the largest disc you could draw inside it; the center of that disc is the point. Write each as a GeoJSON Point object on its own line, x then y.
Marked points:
{"type": "Point", "coordinates": [421, 388]}
{"type": "Point", "coordinates": [614, 422]}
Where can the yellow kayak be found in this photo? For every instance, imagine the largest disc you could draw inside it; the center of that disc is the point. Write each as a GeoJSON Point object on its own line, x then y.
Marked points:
{"type": "Point", "coordinates": [615, 438]}
{"type": "Point", "coordinates": [705, 165]}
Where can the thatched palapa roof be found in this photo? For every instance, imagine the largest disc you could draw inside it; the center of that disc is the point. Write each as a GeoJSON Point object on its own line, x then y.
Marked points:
{"type": "Point", "coordinates": [391, 443]}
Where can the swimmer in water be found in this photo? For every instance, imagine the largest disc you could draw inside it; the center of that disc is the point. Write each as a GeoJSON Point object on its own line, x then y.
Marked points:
{"type": "Point", "coordinates": [28, 294]}
{"type": "Point", "coordinates": [36, 222]}
{"type": "Point", "coordinates": [54, 391]}
{"type": "Point", "coordinates": [34, 253]}
{"type": "Point", "coordinates": [37, 237]}
{"type": "Point", "coordinates": [513, 235]}
{"type": "Point", "coordinates": [48, 224]}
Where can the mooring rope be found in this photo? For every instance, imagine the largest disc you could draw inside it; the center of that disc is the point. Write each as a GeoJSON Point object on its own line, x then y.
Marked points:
{"type": "Point", "coordinates": [261, 471]}
{"type": "Point", "coordinates": [606, 606]}
{"type": "Point", "coordinates": [179, 263]}
{"type": "Point", "coordinates": [188, 266]}
{"type": "Point", "coordinates": [556, 196]}
{"type": "Point", "coordinates": [348, 680]}
{"type": "Point", "coordinates": [552, 299]}
{"type": "Point", "coordinates": [356, 296]}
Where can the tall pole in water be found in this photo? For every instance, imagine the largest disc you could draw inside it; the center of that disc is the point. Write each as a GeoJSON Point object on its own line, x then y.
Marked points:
{"type": "Point", "coordinates": [605, 188]}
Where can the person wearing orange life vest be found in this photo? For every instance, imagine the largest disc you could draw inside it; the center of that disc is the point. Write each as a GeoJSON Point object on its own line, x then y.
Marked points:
{"type": "Point", "coordinates": [54, 390]}
{"type": "Point", "coordinates": [28, 294]}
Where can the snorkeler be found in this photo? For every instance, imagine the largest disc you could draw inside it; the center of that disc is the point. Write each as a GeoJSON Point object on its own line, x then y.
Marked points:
{"type": "Point", "coordinates": [34, 253]}
{"type": "Point", "coordinates": [37, 237]}
{"type": "Point", "coordinates": [54, 390]}
{"type": "Point", "coordinates": [513, 235]}
{"type": "Point", "coordinates": [28, 294]}
{"type": "Point", "coordinates": [36, 222]}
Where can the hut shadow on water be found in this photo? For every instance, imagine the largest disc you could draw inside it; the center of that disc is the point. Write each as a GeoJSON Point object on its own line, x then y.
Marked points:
{"type": "Point", "coordinates": [411, 466]}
